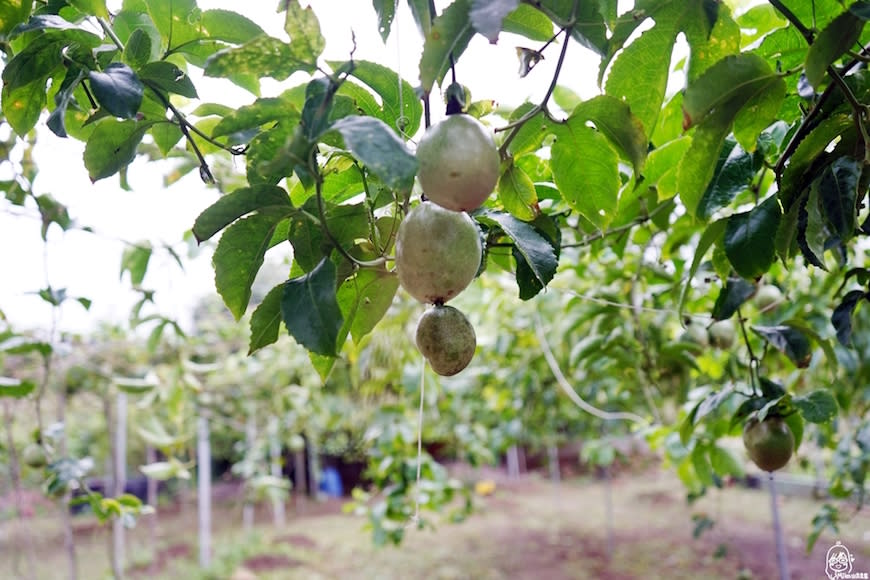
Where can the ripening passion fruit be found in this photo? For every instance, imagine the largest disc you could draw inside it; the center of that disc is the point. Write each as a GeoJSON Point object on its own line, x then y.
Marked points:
{"type": "Point", "coordinates": [438, 253]}
{"type": "Point", "coordinates": [770, 443]}
{"type": "Point", "coordinates": [447, 340]}
{"type": "Point", "coordinates": [459, 163]}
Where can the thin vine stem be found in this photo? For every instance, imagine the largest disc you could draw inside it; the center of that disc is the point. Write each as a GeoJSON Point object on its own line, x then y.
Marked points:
{"type": "Point", "coordinates": [515, 126]}
{"type": "Point", "coordinates": [569, 390]}
{"type": "Point", "coordinates": [321, 209]}
{"type": "Point", "coordinates": [107, 28]}
{"type": "Point", "coordinates": [618, 230]}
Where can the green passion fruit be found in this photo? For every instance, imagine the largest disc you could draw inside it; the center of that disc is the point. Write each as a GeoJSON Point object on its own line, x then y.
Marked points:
{"type": "Point", "coordinates": [768, 297]}
{"type": "Point", "coordinates": [446, 338]}
{"type": "Point", "coordinates": [438, 253]}
{"type": "Point", "coordinates": [459, 163]}
{"type": "Point", "coordinates": [722, 334]}
{"type": "Point", "coordinates": [770, 443]}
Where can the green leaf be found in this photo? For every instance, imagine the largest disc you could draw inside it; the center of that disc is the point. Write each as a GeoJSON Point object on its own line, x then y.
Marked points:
{"type": "Point", "coordinates": [406, 107]}
{"type": "Point", "coordinates": [713, 232]}
{"type": "Point", "coordinates": [229, 26]}
{"type": "Point", "coordinates": [268, 158]}
{"type": "Point", "coordinates": [733, 174]}
{"type": "Point", "coordinates": [817, 406]}
{"type": "Point", "coordinates": [57, 119]}
{"type": "Point", "coordinates": [422, 16]}
{"type": "Point", "coordinates": [795, 422]}
{"type": "Point", "coordinates": [266, 320]}
{"type": "Point", "coordinates": [639, 74]}
{"type": "Point", "coordinates": [487, 16]}
{"type": "Point", "coordinates": [516, 191]}
{"type": "Point", "coordinates": [167, 77]}
{"type": "Point", "coordinates": [304, 30]}
{"type": "Point", "coordinates": [91, 7]}
{"type": "Point", "coordinates": [263, 56]}
{"type": "Point", "coordinates": [660, 169]}
{"type": "Point", "coordinates": [16, 388]}
{"type": "Point", "coordinates": [750, 238]}
{"type": "Point", "coordinates": [536, 250]}
{"type": "Point", "coordinates": [531, 135]}
{"type": "Point", "coordinates": [112, 146]}
{"type": "Point", "coordinates": [698, 165]}
{"type": "Point", "coordinates": [166, 136]}
{"type": "Point", "coordinates": [786, 234]}
{"type": "Point", "coordinates": [811, 231]}
{"type": "Point", "coordinates": [830, 44]}
{"type": "Point", "coordinates": [135, 260]}
{"type": "Point", "coordinates": [13, 13]}
{"type": "Point", "coordinates": [724, 462]}
{"type": "Point", "coordinates": [838, 192]}
{"type": "Point", "coordinates": [308, 240]}
{"type": "Point", "coordinates": [386, 10]}
{"type": "Point", "coordinates": [449, 36]}
{"type": "Point", "coordinates": [239, 255]}
{"type": "Point", "coordinates": [234, 205]}
{"type": "Point", "coordinates": [841, 318]}
{"type": "Point", "coordinates": [529, 22]}
{"type": "Point", "coordinates": [24, 345]}
{"type": "Point", "coordinates": [34, 64]}
{"type": "Point", "coordinates": [59, 28]}
{"type": "Point", "coordinates": [615, 120]}
{"type": "Point", "coordinates": [134, 385]}
{"type": "Point", "coordinates": [377, 146]}
{"type": "Point", "coordinates": [789, 340]}
{"type": "Point", "coordinates": [731, 297]}
{"type": "Point", "coordinates": [310, 309]}
{"type": "Point", "coordinates": [757, 114]}
{"type": "Point", "coordinates": [117, 89]}
{"type": "Point", "coordinates": [727, 86]}
{"type": "Point", "coordinates": [258, 113]}
{"type": "Point", "coordinates": [826, 344]}
{"type": "Point", "coordinates": [586, 171]}
{"type": "Point", "coordinates": [710, 44]}
{"type": "Point", "coordinates": [364, 299]}
{"type": "Point", "coordinates": [137, 51]}
{"type": "Point", "coordinates": [701, 463]}
{"type": "Point", "coordinates": [52, 212]}
{"type": "Point", "coordinates": [794, 179]}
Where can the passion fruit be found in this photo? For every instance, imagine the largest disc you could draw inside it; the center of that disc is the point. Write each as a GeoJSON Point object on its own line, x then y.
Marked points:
{"type": "Point", "coordinates": [768, 297]}
{"type": "Point", "coordinates": [770, 443]}
{"type": "Point", "coordinates": [459, 163]}
{"type": "Point", "coordinates": [447, 340]}
{"type": "Point", "coordinates": [33, 455]}
{"type": "Point", "coordinates": [438, 253]}
{"type": "Point", "coordinates": [722, 334]}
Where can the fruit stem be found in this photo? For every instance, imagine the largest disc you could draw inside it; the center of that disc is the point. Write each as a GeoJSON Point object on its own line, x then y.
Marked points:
{"type": "Point", "coordinates": [517, 125]}
{"type": "Point", "coordinates": [753, 360]}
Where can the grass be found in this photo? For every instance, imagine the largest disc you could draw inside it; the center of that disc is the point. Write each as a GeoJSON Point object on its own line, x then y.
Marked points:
{"type": "Point", "coordinates": [527, 529]}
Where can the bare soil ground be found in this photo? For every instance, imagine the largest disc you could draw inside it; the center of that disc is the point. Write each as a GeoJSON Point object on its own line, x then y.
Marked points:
{"type": "Point", "coordinates": [529, 529]}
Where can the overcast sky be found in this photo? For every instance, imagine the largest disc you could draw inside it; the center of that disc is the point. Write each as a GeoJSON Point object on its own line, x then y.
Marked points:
{"type": "Point", "coordinates": [88, 264]}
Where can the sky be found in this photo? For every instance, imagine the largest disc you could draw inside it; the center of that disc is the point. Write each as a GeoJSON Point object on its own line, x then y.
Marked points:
{"type": "Point", "coordinates": [87, 264]}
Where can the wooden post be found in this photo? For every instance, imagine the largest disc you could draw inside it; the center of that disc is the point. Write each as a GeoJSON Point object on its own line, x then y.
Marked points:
{"type": "Point", "coordinates": [250, 439]}
{"type": "Point", "coordinates": [279, 515]}
{"type": "Point", "coordinates": [119, 478]}
{"type": "Point", "coordinates": [203, 476]}
{"type": "Point", "coordinates": [781, 554]}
